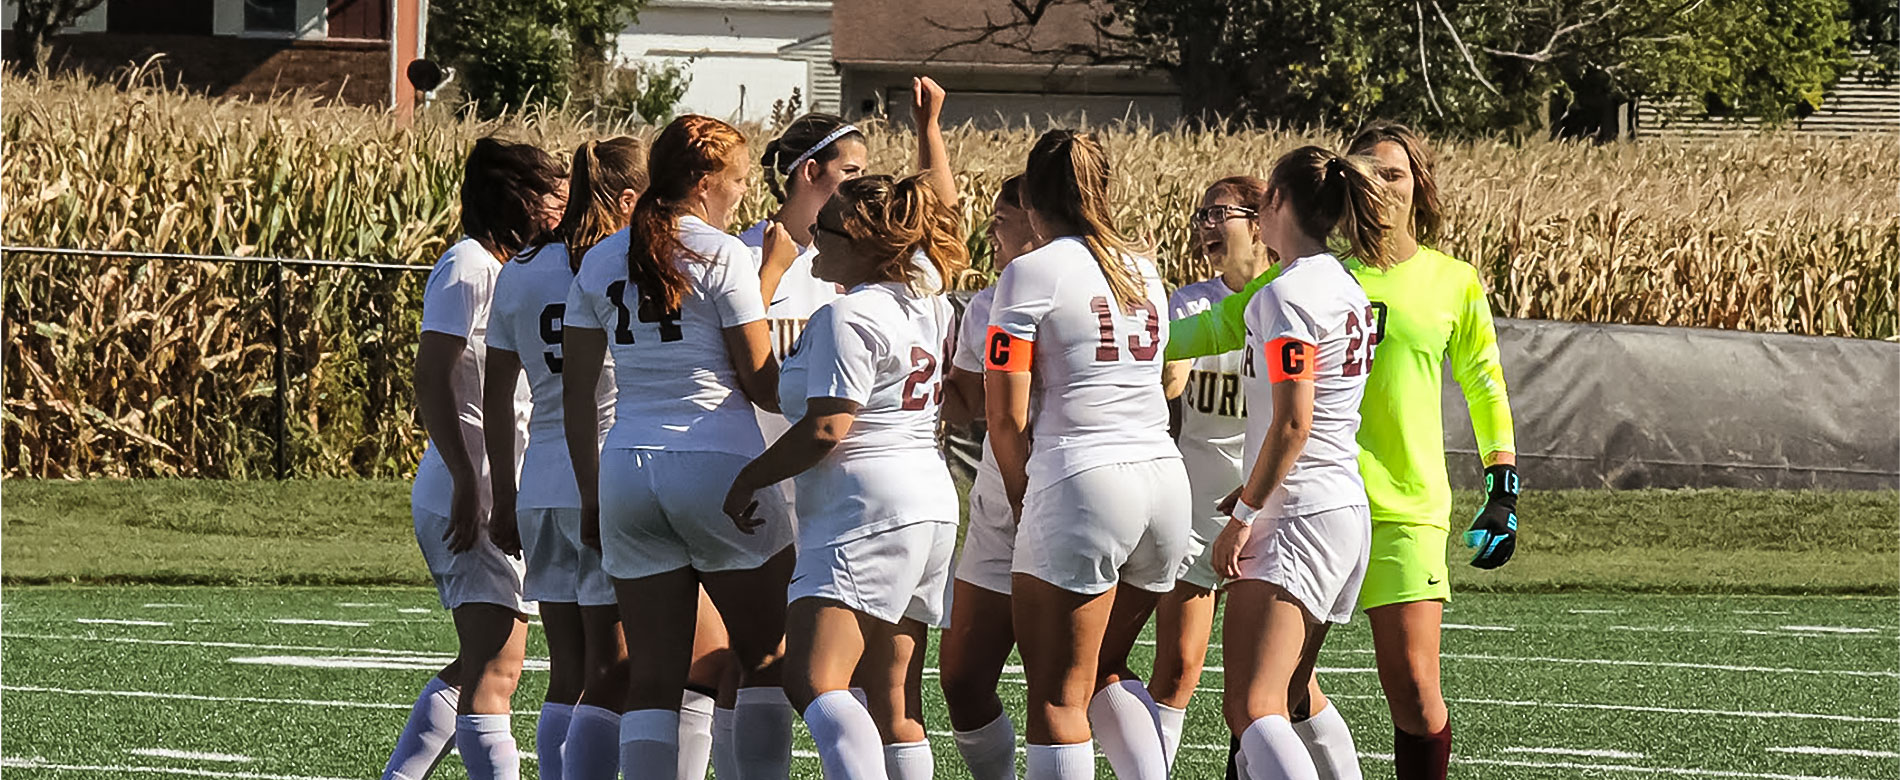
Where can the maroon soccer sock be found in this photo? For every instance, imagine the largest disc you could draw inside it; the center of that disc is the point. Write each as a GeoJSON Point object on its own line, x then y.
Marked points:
{"type": "Point", "coordinates": [1421, 757]}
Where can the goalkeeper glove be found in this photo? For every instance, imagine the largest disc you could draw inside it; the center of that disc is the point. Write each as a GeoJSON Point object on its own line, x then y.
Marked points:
{"type": "Point", "coordinates": [1494, 531]}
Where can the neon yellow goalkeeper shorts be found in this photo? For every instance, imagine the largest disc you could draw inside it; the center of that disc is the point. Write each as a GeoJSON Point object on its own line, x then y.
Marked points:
{"type": "Point", "coordinates": [1408, 564]}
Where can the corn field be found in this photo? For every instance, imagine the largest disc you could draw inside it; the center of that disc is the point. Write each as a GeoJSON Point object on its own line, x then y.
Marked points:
{"type": "Point", "coordinates": [126, 367]}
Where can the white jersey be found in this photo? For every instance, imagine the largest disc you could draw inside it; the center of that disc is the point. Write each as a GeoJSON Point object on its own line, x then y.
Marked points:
{"type": "Point", "coordinates": [1213, 437]}
{"type": "Point", "coordinates": [1098, 397]}
{"type": "Point", "coordinates": [799, 295]}
{"type": "Point", "coordinates": [1315, 301]}
{"type": "Point", "coordinates": [456, 302]}
{"type": "Point", "coordinates": [969, 357]}
{"type": "Point", "coordinates": [530, 303]}
{"type": "Point", "coordinates": [675, 385]}
{"type": "Point", "coordinates": [884, 348]}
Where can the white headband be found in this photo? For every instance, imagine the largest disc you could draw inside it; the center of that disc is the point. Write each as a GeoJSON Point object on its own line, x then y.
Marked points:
{"type": "Point", "coordinates": [841, 132]}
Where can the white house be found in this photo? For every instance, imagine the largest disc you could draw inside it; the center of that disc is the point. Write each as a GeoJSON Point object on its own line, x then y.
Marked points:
{"type": "Point", "coordinates": [742, 55]}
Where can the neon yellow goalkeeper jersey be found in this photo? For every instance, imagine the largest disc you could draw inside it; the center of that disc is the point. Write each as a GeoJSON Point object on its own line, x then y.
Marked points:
{"type": "Point", "coordinates": [1430, 308]}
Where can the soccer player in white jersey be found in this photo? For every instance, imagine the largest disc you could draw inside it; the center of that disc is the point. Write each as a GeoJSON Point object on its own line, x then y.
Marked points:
{"type": "Point", "coordinates": [511, 193]}
{"type": "Point", "coordinates": [877, 510]}
{"type": "Point", "coordinates": [1296, 545]}
{"type": "Point", "coordinates": [1102, 496]}
{"type": "Point", "coordinates": [979, 639]}
{"type": "Point", "coordinates": [680, 305]}
{"type": "Point", "coordinates": [1212, 415]}
{"type": "Point", "coordinates": [578, 733]}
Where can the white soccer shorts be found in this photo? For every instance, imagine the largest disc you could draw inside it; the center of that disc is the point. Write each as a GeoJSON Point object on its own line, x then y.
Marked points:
{"type": "Point", "coordinates": [1122, 523]}
{"type": "Point", "coordinates": [661, 510]}
{"type": "Point", "coordinates": [989, 543]}
{"type": "Point", "coordinates": [560, 567]}
{"type": "Point", "coordinates": [1319, 559]}
{"type": "Point", "coordinates": [483, 575]}
{"type": "Point", "coordinates": [889, 575]}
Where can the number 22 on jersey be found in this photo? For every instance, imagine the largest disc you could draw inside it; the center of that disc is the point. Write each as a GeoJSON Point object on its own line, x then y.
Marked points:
{"type": "Point", "coordinates": [1294, 359]}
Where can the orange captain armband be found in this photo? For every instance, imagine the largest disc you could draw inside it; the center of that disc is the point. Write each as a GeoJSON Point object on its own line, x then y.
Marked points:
{"type": "Point", "coordinates": [1291, 359]}
{"type": "Point", "coordinates": [1004, 352]}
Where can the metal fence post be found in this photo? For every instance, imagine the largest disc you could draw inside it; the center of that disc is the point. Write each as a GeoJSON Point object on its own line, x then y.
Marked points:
{"type": "Point", "coordinates": [283, 371]}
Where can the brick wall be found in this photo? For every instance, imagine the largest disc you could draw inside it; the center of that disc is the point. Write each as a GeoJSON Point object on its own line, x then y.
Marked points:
{"type": "Point", "coordinates": [355, 71]}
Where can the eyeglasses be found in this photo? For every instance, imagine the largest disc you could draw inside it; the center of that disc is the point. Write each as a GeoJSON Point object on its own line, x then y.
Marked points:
{"type": "Point", "coordinates": [1212, 216]}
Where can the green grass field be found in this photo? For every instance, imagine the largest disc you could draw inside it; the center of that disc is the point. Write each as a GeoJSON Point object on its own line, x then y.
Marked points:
{"type": "Point", "coordinates": [1702, 633]}
{"type": "Point", "coordinates": [349, 532]}
{"type": "Point", "coordinates": [293, 683]}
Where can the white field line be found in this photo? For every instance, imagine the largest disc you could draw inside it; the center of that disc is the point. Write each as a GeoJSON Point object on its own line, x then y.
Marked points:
{"type": "Point", "coordinates": [1586, 753]}
{"type": "Point", "coordinates": [1018, 669]}
{"type": "Point", "coordinates": [119, 622]}
{"type": "Point", "coordinates": [190, 755]}
{"type": "Point", "coordinates": [1595, 611]}
{"type": "Point", "coordinates": [1760, 612]}
{"type": "Point", "coordinates": [1470, 627]}
{"type": "Point", "coordinates": [361, 705]}
{"type": "Point", "coordinates": [1831, 629]}
{"type": "Point", "coordinates": [43, 764]}
{"type": "Point", "coordinates": [360, 604]}
{"type": "Point", "coordinates": [1805, 750]}
{"type": "Point", "coordinates": [1643, 708]}
{"type": "Point", "coordinates": [1790, 632]}
{"type": "Point", "coordinates": [415, 611]}
{"type": "Point", "coordinates": [415, 663]}
{"type": "Point", "coordinates": [1646, 770]}
{"type": "Point", "coordinates": [314, 622]}
{"type": "Point", "coordinates": [168, 605]}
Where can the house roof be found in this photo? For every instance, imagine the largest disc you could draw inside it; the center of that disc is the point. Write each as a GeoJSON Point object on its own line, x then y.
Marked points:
{"type": "Point", "coordinates": [952, 33]}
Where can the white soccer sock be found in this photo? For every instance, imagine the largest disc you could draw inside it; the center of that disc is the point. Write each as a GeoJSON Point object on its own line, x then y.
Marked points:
{"type": "Point", "coordinates": [1123, 719]}
{"type": "Point", "coordinates": [1274, 751]}
{"type": "Point", "coordinates": [487, 743]}
{"type": "Point", "coordinates": [725, 765]}
{"type": "Point", "coordinates": [650, 744]}
{"type": "Point", "coordinates": [1172, 720]}
{"type": "Point", "coordinates": [848, 743]}
{"type": "Point", "coordinates": [550, 737]}
{"type": "Point", "coordinates": [762, 734]}
{"type": "Point", "coordinates": [990, 751]}
{"type": "Point", "coordinates": [592, 751]}
{"type": "Point", "coordinates": [909, 761]}
{"type": "Point", "coordinates": [696, 712]}
{"type": "Point", "coordinates": [1061, 762]}
{"type": "Point", "coordinates": [1329, 742]}
{"type": "Point", "coordinates": [428, 735]}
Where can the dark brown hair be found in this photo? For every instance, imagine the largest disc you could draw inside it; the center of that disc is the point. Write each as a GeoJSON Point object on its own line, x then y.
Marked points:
{"type": "Point", "coordinates": [1011, 191]}
{"type": "Point", "coordinates": [503, 188]}
{"type": "Point", "coordinates": [892, 219]}
{"type": "Point", "coordinates": [602, 170]}
{"type": "Point", "coordinates": [691, 148]}
{"type": "Point", "coordinates": [1067, 180]}
{"type": "Point", "coordinates": [1427, 210]}
{"type": "Point", "coordinates": [1328, 192]}
{"type": "Point", "coordinates": [1249, 190]}
{"type": "Point", "coordinates": [799, 137]}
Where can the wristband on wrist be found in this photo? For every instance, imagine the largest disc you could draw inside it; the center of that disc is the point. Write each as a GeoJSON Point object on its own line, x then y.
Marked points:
{"type": "Point", "coordinates": [1245, 514]}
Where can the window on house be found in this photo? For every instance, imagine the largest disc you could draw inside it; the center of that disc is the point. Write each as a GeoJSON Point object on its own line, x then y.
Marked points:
{"type": "Point", "coordinates": [270, 16]}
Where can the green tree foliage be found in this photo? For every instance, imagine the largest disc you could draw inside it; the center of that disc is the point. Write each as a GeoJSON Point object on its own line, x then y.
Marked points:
{"type": "Point", "coordinates": [1476, 66]}
{"type": "Point", "coordinates": [510, 53]}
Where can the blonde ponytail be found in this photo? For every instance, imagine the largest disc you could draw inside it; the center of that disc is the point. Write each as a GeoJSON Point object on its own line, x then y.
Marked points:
{"type": "Point", "coordinates": [1067, 182]}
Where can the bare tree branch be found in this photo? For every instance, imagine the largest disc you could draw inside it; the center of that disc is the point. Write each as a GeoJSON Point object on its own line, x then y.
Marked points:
{"type": "Point", "coordinates": [1423, 68]}
{"type": "Point", "coordinates": [1469, 62]}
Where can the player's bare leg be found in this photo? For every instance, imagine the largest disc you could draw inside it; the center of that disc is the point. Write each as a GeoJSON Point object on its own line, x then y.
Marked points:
{"type": "Point", "coordinates": [1061, 637]}
{"type": "Point", "coordinates": [975, 648]}
{"type": "Point", "coordinates": [567, 677]}
{"type": "Point", "coordinates": [1184, 619]}
{"type": "Point", "coordinates": [753, 604]}
{"type": "Point", "coordinates": [892, 676]}
{"type": "Point", "coordinates": [593, 735]}
{"type": "Point", "coordinates": [1122, 716]}
{"type": "Point", "coordinates": [825, 641]}
{"type": "Point", "coordinates": [494, 643]}
{"type": "Point", "coordinates": [665, 609]}
{"type": "Point", "coordinates": [1269, 647]}
{"type": "Point", "coordinates": [1405, 642]}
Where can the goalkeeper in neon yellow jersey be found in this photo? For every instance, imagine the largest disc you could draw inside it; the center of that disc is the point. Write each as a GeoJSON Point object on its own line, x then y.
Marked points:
{"type": "Point", "coordinates": [1431, 307]}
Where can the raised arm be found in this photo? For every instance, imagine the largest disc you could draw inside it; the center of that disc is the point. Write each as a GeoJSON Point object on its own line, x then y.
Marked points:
{"type": "Point", "coordinates": [933, 156]}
